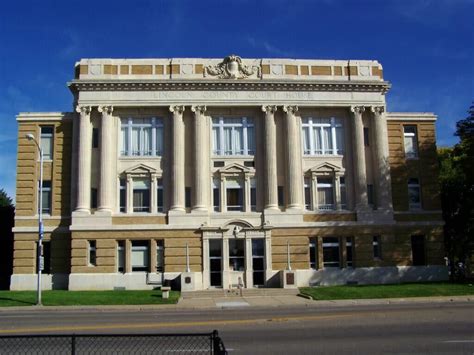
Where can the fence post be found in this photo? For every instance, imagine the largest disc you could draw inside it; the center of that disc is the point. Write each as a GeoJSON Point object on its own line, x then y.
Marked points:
{"type": "Point", "coordinates": [218, 347]}
{"type": "Point", "coordinates": [73, 344]}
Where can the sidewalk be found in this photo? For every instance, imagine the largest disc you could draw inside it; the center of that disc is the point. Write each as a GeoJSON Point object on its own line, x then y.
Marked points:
{"type": "Point", "coordinates": [239, 302]}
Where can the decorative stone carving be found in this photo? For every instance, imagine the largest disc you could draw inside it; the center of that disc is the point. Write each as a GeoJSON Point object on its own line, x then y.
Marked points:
{"type": "Point", "coordinates": [106, 110]}
{"type": "Point", "coordinates": [199, 109]}
{"type": "Point", "coordinates": [269, 108]}
{"type": "Point", "coordinates": [358, 109]}
{"type": "Point", "coordinates": [232, 68]}
{"type": "Point", "coordinates": [378, 110]}
{"type": "Point", "coordinates": [290, 109]}
{"type": "Point", "coordinates": [84, 110]}
{"type": "Point", "coordinates": [179, 109]}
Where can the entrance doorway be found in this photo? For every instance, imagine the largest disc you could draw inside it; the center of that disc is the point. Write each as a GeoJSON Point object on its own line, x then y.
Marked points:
{"type": "Point", "coordinates": [258, 262]}
{"type": "Point", "coordinates": [215, 258]}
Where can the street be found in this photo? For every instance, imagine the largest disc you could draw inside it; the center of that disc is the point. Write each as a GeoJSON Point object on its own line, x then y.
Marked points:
{"type": "Point", "coordinates": [441, 328]}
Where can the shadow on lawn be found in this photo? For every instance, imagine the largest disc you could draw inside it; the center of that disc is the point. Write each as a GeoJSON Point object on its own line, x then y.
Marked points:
{"type": "Point", "coordinates": [17, 301]}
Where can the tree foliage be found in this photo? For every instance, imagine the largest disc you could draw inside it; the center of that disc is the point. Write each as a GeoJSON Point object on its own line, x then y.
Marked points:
{"type": "Point", "coordinates": [457, 190]}
{"type": "Point", "coordinates": [5, 200]}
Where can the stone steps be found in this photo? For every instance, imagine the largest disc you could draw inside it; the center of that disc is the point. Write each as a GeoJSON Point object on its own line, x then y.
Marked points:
{"type": "Point", "coordinates": [251, 292]}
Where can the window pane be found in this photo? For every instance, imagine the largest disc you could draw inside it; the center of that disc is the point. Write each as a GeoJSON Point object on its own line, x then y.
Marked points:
{"type": "Point", "coordinates": [159, 141]}
{"type": "Point", "coordinates": [318, 147]}
{"type": "Point", "coordinates": [159, 195]}
{"type": "Point", "coordinates": [339, 140]}
{"type": "Point", "coordinates": [250, 141]}
{"type": "Point", "coordinates": [238, 141]}
{"type": "Point", "coordinates": [141, 195]}
{"type": "Point", "coordinates": [327, 144]}
{"type": "Point", "coordinates": [228, 141]}
{"type": "Point", "coordinates": [312, 253]}
{"type": "Point", "coordinates": [331, 252]}
{"type": "Point", "coordinates": [135, 141]}
{"type": "Point", "coordinates": [216, 140]}
{"type": "Point", "coordinates": [46, 142]}
{"type": "Point", "coordinates": [236, 254]}
{"type": "Point", "coordinates": [307, 193]}
{"type": "Point", "coordinates": [140, 256]}
{"type": "Point", "coordinates": [146, 139]}
{"type": "Point", "coordinates": [306, 141]}
{"type": "Point", "coordinates": [124, 141]}
{"type": "Point", "coordinates": [121, 256]}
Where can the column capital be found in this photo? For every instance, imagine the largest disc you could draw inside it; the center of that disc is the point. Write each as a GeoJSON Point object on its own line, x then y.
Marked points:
{"type": "Point", "coordinates": [290, 109]}
{"type": "Point", "coordinates": [378, 110]}
{"type": "Point", "coordinates": [105, 110]}
{"type": "Point", "coordinates": [198, 109]}
{"type": "Point", "coordinates": [178, 109]}
{"type": "Point", "coordinates": [84, 110]}
{"type": "Point", "coordinates": [269, 108]}
{"type": "Point", "coordinates": [358, 110]}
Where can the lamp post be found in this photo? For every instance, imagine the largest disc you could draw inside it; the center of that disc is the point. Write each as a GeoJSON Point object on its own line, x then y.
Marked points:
{"type": "Point", "coordinates": [39, 262]}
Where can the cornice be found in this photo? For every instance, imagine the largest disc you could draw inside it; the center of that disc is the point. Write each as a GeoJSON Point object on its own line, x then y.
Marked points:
{"type": "Point", "coordinates": [218, 85]}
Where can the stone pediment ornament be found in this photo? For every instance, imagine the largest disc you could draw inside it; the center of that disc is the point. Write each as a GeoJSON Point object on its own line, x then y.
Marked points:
{"type": "Point", "coordinates": [140, 169]}
{"type": "Point", "coordinates": [326, 167]}
{"type": "Point", "coordinates": [234, 168]}
{"type": "Point", "coordinates": [232, 67]}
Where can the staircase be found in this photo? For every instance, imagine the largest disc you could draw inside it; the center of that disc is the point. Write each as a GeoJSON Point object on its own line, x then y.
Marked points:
{"type": "Point", "coordinates": [245, 292]}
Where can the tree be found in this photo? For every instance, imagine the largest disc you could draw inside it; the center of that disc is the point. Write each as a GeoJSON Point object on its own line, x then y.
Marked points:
{"type": "Point", "coordinates": [457, 191]}
{"type": "Point", "coordinates": [5, 200]}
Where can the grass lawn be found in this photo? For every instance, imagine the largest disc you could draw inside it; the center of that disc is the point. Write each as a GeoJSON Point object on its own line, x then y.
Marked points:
{"type": "Point", "coordinates": [388, 291]}
{"type": "Point", "coordinates": [86, 298]}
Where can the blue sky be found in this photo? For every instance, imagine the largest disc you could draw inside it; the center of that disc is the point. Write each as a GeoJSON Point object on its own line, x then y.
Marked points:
{"type": "Point", "coordinates": [425, 47]}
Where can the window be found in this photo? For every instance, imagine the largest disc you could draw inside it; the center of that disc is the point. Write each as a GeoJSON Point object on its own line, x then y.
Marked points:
{"type": "Point", "coordinates": [141, 137]}
{"type": "Point", "coordinates": [47, 134]}
{"type": "Point", "coordinates": [313, 250]}
{"type": "Point", "coordinates": [235, 195]}
{"type": "Point", "coordinates": [94, 197]}
{"type": "Point", "coordinates": [370, 195]}
{"type": "Point", "coordinates": [216, 194]}
{"type": "Point", "coordinates": [411, 141]}
{"type": "Point", "coordinates": [187, 197]}
{"type": "Point", "coordinates": [281, 196]}
{"type": "Point", "coordinates": [159, 195]}
{"type": "Point", "coordinates": [322, 136]}
{"type": "Point", "coordinates": [376, 246]}
{"type": "Point", "coordinates": [141, 195]}
{"type": "Point", "coordinates": [160, 256]}
{"type": "Point", "coordinates": [325, 194]}
{"type": "Point", "coordinates": [140, 255]}
{"type": "Point", "coordinates": [236, 254]}
{"type": "Point", "coordinates": [414, 196]}
{"type": "Point", "coordinates": [331, 255]}
{"type": "Point", "coordinates": [121, 256]}
{"type": "Point", "coordinates": [418, 250]}
{"type": "Point", "coordinates": [366, 137]}
{"type": "Point", "coordinates": [95, 138]}
{"type": "Point", "coordinates": [233, 136]}
{"type": "Point", "coordinates": [342, 187]}
{"type": "Point", "coordinates": [46, 197]}
{"type": "Point", "coordinates": [349, 252]}
{"type": "Point", "coordinates": [307, 193]}
{"type": "Point", "coordinates": [253, 195]}
{"type": "Point", "coordinates": [123, 195]}
{"type": "Point", "coordinates": [92, 261]}
{"type": "Point", "coordinates": [46, 257]}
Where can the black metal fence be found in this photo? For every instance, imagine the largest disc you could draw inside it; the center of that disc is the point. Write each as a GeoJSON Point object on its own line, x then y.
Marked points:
{"type": "Point", "coordinates": [202, 343]}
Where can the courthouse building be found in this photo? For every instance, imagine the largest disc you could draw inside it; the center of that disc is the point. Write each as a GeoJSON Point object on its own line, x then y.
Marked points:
{"type": "Point", "coordinates": [220, 173]}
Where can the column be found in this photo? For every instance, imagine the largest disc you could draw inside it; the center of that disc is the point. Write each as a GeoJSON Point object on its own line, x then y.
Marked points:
{"type": "Point", "coordinates": [271, 181]}
{"type": "Point", "coordinates": [106, 187]}
{"type": "Point", "coordinates": [294, 170]}
{"type": "Point", "coordinates": [201, 159]}
{"type": "Point", "coordinates": [360, 177]}
{"type": "Point", "coordinates": [84, 157]}
{"type": "Point", "coordinates": [177, 165]}
{"type": "Point", "coordinates": [382, 171]}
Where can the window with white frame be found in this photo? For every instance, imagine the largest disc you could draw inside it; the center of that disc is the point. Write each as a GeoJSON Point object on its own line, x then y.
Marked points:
{"type": "Point", "coordinates": [349, 252]}
{"type": "Point", "coordinates": [160, 255]}
{"type": "Point", "coordinates": [331, 253]}
{"type": "Point", "coordinates": [159, 195]}
{"type": "Point", "coordinates": [414, 193]}
{"type": "Point", "coordinates": [237, 254]}
{"type": "Point", "coordinates": [92, 252]}
{"type": "Point", "coordinates": [233, 136]}
{"type": "Point", "coordinates": [322, 136]}
{"type": "Point", "coordinates": [313, 250]}
{"type": "Point", "coordinates": [325, 189]}
{"type": "Point", "coordinates": [410, 141]}
{"type": "Point", "coordinates": [46, 197]}
{"type": "Point", "coordinates": [46, 142]}
{"type": "Point", "coordinates": [121, 256]}
{"type": "Point", "coordinates": [141, 137]}
{"type": "Point", "coordinates": [235, 194]}
{"type": "Point", "coordinates": [141, 195]}
{"type": "Point", "coordinates": [140, 255]}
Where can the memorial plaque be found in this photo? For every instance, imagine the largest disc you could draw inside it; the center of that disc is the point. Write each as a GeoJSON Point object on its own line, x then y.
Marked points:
{"type": "Point", "coordinates": [187, 280]}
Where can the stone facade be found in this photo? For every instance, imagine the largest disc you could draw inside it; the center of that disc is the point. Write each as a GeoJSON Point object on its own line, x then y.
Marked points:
{"type": "Point", "coordinates": [229, 173]}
